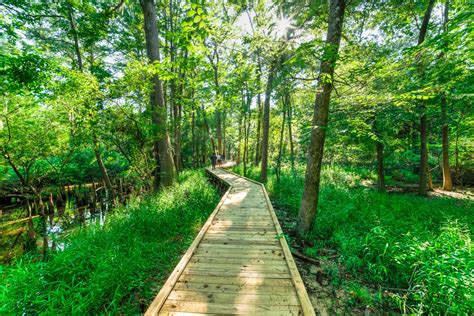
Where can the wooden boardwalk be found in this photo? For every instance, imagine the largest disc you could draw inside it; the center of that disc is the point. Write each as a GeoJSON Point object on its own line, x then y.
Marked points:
{"type": "Point", "coordinates": [239, 263]}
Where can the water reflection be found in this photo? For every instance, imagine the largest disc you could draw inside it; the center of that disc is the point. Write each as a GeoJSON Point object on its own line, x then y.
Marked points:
{"type": "Point", "coordinates": [37, 226]}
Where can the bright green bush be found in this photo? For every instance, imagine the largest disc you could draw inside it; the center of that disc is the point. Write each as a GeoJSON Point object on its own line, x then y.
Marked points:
{"type": "Point", "coordinates": [116, 268]}
{"type": "Point", "coordinates": [421, 246]}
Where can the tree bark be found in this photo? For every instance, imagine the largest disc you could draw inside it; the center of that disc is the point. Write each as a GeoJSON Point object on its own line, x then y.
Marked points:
{"type": "Point", "coordinates": [258, 145]}
{"type": "Point", "coordinates": [193, 138]}
{"type": "Point", "coordinates": [423, 189]}
{"type": "Point", "coordinates": [309, 202]}
{"type": "Point", "coordinates": [157, 106]}
{"type": "Point", "coordinates": [380, 168]}
{"type": "Point", "coordinates": [280, 146]}
{"type": "Point", "coordinates": [447, 180]}
{"type": "Point", "coordinates": [206, 125]}
{"type": "Point", "coordinates": [290, 131]}
{"type": "Point", "coordinates": [244, 105]}
{"type": "Point", "coordinates": [218, 111]}
{"type": "Point", "coordinates": [239, 141]}
{"type": "Point", "coordinates": [266, 120]}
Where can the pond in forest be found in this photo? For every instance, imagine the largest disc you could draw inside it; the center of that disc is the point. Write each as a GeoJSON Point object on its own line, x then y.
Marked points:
{"type": "Point", "coordinates": [32, 225]}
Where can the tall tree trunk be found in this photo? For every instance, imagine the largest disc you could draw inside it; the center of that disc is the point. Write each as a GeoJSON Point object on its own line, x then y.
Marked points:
{"type": "Point", "coordinates": [247, 131]}
{"type": "Point", "coordinates": [239, 141]}
{"type": "Point", "coordinates": [456, 156]}
{"type": "Point", "coordinates": [72, 24]}
{"type": "Point", "coordinates": [224, 152]}
{"type": "Point", "coordinates": [280, 146]}
{"type": "Point", "coordinates": [447, 180]}
{"type": "Point", "coordinates": [193, 138]}
{"type": "Point", "coordinates": [380, 168]}
{"type": "Point", "coordinates": [423, 189]}
{"type": "Point", "coordinates": [157, 103]}
{"type": "Point", "coordinates": [379, 149]}
{"type": "Point", "coordinates": [206, 125]}
{"type": "Point", "coordinates": [245, 136]}
{"type": "Point", "coordinates": [266, 119]}
{"type": "Point", "coordinates": [290, 132]}
{"type": "Point", "coordinates": [309, 201]}
{"type": "Point", "coordinates": [258, 145]}
{"type": "Point", "coordinates": [218, 111]}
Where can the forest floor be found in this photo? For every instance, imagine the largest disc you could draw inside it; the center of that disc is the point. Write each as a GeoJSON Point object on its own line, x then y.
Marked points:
{"type": "Point", "coordinates": [326, 297]}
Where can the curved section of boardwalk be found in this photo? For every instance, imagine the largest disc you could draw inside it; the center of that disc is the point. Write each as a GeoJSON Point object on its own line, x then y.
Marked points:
{"type": "Point", "coordinates": [238, 264]}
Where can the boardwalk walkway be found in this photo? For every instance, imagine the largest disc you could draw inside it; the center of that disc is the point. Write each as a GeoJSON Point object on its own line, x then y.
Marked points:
{"type": "Point", "coordinates": [238, 264]}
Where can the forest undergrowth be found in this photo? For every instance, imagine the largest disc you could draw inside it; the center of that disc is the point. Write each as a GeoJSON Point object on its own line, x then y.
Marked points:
{"type": "Point", "coordinates": [117, 268]}
{"type": "Point", "coordinates": [398, 252]}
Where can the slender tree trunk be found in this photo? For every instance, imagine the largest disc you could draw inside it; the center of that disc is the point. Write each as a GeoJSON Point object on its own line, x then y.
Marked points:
{"type": "Point", "coordinates": [206, 125]}
{"type": "Point", "coordinates": [456, 156]}
{"type": "Point", "coordinates": [245, 142]}
{"type": "Point", "coordinates": [447, 180]}
{"type": "Point", "coordinates": [218, 111]}
{"type": "Point", "coordinates": [239, 141]}
{"type": "Point", "coordinates": [258, 145]}
{"type": "Point", "coordinates": [309, 202]}
{"type": "Point", "coordinates": [157, 105]}
{"type": "Point", "coordinates": [430, 180]}
{"type": "Point", "coordinates": [280, 146]}
{"type": "Point", "coordinates": [266, 120]}
{"type": "Point", "coordinates": [379, 149]}
{"type": "Point", "coordinates": [247, 131]}
{"type": "Point", "coordinates": [290, 132]}
{"type": "Point", "coordinates": [423, 189]}
{"type": "Point", "coordinates": [72, 24]}
{"type": "Point", "coordinates": [103, 170]}
{"type": "Point", "coordinates": [223, 134]}
{"type": "Point", "coordinates": [193, 137]}
{"type": "Point", "coordinates": [380, 168]}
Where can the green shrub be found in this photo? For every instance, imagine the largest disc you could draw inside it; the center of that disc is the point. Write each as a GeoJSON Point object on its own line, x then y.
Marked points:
{"type": "Point", "coordinates": [116, 268]}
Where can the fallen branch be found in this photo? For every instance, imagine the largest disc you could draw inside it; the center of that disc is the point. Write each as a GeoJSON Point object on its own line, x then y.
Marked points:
{"type": "Point", "coordinates": [305, 258]}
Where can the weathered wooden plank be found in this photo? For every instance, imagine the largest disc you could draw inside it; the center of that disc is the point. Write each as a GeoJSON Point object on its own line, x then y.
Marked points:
{"type": "Point", "coordinates": [272, 261]}
{"type": "Point", "coordinates": [233, 267]}
{"type": "Point", "coordinates": [231, 298]}
{"type": "Point", "coordinates": [245, 309]}
{"type": "Point", "coordinates": [244, 234]}
{"type": "Point", "coordinates": [241, 239]}
{"type": "Point", "coordinates": [232, 247]}
{"type": "Point", "coordinates": [242, 229]}
{"type": "Point", "coordinates": [256, 289]}
{"type": "Point", "coordinates": [251, 254]}
{"type": "Point", "coordinates": [240, 281]}
{"type": "Point", "coordinates": [237, 273]}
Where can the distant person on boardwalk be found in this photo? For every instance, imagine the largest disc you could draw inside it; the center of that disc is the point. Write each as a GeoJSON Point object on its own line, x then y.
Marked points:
{"type": "Point", "coordinates": [213, 160]}
{"type": "Point", "coordinates": [223, 158]}
{"type": "Point", "coordinates": [219, 160]}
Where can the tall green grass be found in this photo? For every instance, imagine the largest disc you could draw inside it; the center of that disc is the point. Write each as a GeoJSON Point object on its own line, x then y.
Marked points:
{"type": "Point", "coordinates": [414, 252]}
{"type": "Point", "coordinates": [116, 268]}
